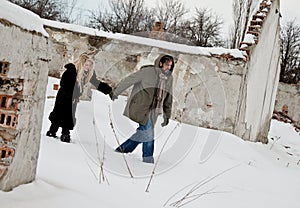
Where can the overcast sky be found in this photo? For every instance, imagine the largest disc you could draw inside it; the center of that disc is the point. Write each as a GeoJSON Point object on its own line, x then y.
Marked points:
{"type": "Point", "coordinates": [223, 8]}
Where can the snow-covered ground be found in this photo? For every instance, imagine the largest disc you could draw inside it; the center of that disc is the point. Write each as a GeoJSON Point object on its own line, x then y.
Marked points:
{"type": "Point", "coordinates": [237, 173]}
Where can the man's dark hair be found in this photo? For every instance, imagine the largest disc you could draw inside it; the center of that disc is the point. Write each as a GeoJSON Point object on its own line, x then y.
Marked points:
{"type": "Point", "coordinates": [167, 58]}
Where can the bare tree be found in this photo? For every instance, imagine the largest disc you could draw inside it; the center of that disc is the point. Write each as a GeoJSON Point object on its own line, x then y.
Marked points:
{"type": "Point", "coordinates": [124, 16]}
{"type": "Point", "coordinates": [249, 7]}
{"type": "Point", "coordinates": [290, 53]}
{"type": "Point", "coordinates": [235, 31]}
{"type": "Point", "coordinates": [59, 10]}
{"type": "Point", "coordinates": [242, 9]}
{"type": "Point", "coordinates": [132, 17]}
{"type": "Point", "coordinates": [128, 14]}
{"type": "Point", "coordinates": [171, 12]}
{"type": "Point", "coordinates": [148, 20]}
{"type": "Point", "coordinates": [103, 20]}
{"type": "Point", "coordinates": [205, 28]}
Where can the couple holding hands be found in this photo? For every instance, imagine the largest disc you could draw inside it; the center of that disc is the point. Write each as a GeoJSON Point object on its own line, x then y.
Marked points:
{"type": "Point", "coordinates": [150, 97]}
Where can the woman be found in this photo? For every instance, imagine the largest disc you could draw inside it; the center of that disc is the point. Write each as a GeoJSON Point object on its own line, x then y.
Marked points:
{"type": "Point", "coordinates": [71, 87]}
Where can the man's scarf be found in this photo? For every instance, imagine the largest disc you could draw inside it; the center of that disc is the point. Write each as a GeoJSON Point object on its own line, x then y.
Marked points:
{"type": "Point", "coordinates": [163, 76]}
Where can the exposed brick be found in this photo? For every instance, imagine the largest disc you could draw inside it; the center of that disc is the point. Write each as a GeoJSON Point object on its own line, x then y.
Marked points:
{"type": "Point", "coordinates": [8, 120]}
{"type": "Point", "coordinates": [8, 102]}
{"type": "Point", "coordinates": [4, 68]}
{"type": "Point", "coordinates": [6, 152]}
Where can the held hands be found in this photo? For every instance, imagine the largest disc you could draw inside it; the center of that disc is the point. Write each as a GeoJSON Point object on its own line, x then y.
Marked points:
{"type": "Point", "coordinates": [112, 96]}
{"type": "Point", "coordinates": [165, 122]}
{"type": "Point", "coordinates": [104, 88]}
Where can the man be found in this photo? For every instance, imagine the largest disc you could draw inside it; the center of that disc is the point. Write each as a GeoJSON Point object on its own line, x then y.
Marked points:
{"type": "Point", "coordinates": [151, 96]}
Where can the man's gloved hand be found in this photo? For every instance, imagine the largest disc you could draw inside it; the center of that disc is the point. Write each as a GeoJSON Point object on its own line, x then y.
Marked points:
{"type": "Point", "coordinates": [166, 121]}
{"type": "Point", "coordinates": [112, 96]}
{"type": "Point", "coordinates": [104, 88]}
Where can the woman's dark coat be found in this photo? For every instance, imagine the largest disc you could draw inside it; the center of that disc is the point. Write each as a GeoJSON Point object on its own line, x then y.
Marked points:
{"type": "Point", "coordinates": [63, 114]}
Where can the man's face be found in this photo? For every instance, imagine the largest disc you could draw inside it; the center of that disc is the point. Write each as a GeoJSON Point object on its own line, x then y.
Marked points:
{"type": "Point", "coordinates": [167, 65]}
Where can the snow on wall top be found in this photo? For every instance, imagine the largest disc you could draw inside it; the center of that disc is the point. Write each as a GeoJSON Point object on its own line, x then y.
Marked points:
{"type": "Point", "coordinates": [21, 17]}
{"type": "Point", "coordinates": [208, 51]}
{"type": "Point", "coordinates": [32, 22]}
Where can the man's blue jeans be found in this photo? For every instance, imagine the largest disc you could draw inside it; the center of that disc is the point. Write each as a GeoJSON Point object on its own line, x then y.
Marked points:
{"type": "Point", "coordinates": [144, 134]}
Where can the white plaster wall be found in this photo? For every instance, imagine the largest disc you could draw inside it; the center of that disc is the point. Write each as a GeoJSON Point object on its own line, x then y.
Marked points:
{"type": "Point", "coordinates": [263, 76]}
{"type": "Point", "coordinates": [205, 88]}
{"type": "Point", "coordinates": [216, 83]}
{"type": "Point", "coordinates": [68, 47]}
{"type": "Point", "coordinates": [289, 95]}
{"type": "Point", "coordinates": [29, 55]}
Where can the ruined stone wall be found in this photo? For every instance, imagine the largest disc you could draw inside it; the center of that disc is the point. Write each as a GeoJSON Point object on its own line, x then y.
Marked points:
{"type": "Point", "coordinates": [261, 76]}
{"type": "Point", "coordinates": [289, 95]}
{"type": "Point", "coordinates": [205, 87]}
{"type": "Point", "coordinates": [218, 92]}
{"type": "Point", "coordinates": [23, 77]}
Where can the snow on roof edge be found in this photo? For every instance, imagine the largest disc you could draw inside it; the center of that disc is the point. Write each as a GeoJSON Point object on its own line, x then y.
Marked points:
{"type": "Point", "coordinates": [21, 17]}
